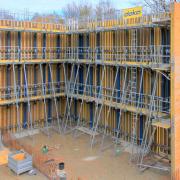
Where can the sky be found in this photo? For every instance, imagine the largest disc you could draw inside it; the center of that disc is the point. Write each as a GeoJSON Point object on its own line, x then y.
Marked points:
{"type": "Point", "coordinates": [46, 6]}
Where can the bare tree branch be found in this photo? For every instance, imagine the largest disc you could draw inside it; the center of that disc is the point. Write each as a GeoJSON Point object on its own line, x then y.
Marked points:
{"type": "Point", "coordinates": [158, 5]}
{"type": "Point", "coordinates": [74, 10]}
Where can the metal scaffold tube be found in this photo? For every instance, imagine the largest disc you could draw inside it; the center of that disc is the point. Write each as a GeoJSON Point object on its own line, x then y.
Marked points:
{"type": "Point", "coordinates": [118, 130]}
{"type": "Point", "coordinates": [27, 91]}
{"type": "Point", "coordinates": [82, 101]}
{"type": "Point", "coordinates": [55, 100]}
{"type": "Point", "coordinates": [70, 94]}
{"type": "Point", "coordinates": [16, 97]}
{"type": "Point", "coordinates": [43, 88]}
{"type": "Point", "coordinates": [144, 146]}
{"type": "Point", "coordinates": [102, 148]}
{"type": "Point", "coordinates": [97, 113]}
{"type": "Point", "coordinates": [67, 95]}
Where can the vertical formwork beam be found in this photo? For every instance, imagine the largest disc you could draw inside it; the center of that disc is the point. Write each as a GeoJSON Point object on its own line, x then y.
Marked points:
{"type": "Point", "coordinates": [19, 45]}
{"type": "Point", "coordinates": [81, 80]}
{"type": "Point", "coordinates": [44, 46]}
{"type": "Point", "coordinates": [8, 45]}
{"type": "Point", "coordinates": [141, 128]}
{"type": "Point", "coordinates": [58, 45]}
{"type": "Point", "coordinates": [35, 80]}
{"type": "Point", "coordinates": [58, 78]}
{"type": "Point", "coordinates": [35, 50]}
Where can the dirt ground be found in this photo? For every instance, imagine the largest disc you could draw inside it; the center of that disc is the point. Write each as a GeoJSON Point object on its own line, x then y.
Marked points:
{"type": "Point", "coordinates": [85, 163]}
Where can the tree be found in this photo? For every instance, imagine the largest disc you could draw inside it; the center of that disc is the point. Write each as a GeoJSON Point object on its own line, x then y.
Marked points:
{"type": "Point", "coordinates": [75, 10]}
{"type": "Point", "coordinates": [158, 5]}
{"type": "Point", "coordinates": [85, 9]}
{"type": "Point", "coordinates": [104, 8]}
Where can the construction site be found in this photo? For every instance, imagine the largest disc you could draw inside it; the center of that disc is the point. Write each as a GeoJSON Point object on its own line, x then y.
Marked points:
{"type": "Point", "coordinates": [90, 99]}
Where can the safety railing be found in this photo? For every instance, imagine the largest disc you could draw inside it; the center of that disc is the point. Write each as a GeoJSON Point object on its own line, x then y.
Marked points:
{"type": "Point", "coordinates": [160, 104]}
{"type": "Point", "coordinates": [152, 54]}
{"type": "Point", "coordinates": [115, 21]}
{"type": "Point", "coordinates": [33, 90]}
{"type": "Point", "coordinates": [38, 22]}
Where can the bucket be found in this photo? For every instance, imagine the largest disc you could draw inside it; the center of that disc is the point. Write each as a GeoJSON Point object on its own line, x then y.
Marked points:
{"type": "Point", "coordinates": [61, 166]}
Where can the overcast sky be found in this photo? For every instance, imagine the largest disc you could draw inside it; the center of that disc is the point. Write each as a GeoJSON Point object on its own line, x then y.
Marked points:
{"type": "Point", "coordinates": [53, 5]}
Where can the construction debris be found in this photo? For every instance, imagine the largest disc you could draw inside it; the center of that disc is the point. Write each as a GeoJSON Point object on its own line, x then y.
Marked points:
{"type": "Point", "coordinates": [32, 172]}
{"type": "Point", "coordinates": [45, 149]}
{"type": "Point", "coordinates": [61, 173]}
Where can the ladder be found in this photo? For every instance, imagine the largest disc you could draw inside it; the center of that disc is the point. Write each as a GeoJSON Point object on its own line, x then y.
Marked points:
{"type": "Point", "coordinates": [134, 36]}
{"type": "Point", "coordinates": [133, 95]}
{"type": "Point", "coordinates": [131, 89]}
{"type": "Point", "coordinates": [133, 55]}
{"type": "Point", "coordinates": [135, 118]}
